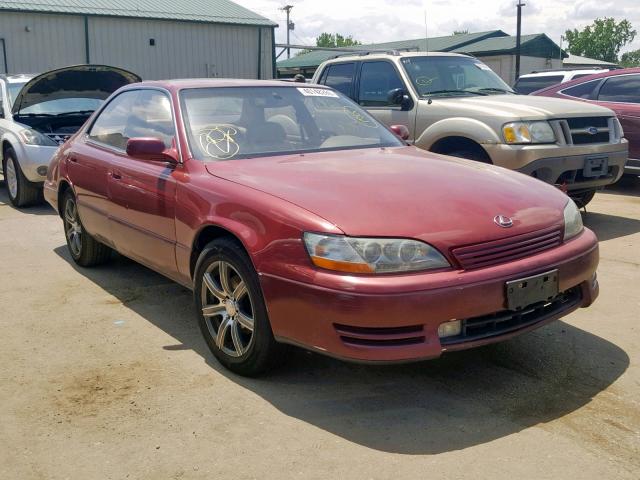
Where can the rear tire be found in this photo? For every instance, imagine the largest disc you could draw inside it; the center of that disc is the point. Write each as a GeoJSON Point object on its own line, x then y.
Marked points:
{"type": "Point", "coordinates": [85, 250]}
{"type": "Point", "coordinates": [582, 199]}
{"type": "Point", "coordinates": [22, 192]}
{"type": "Point", "coordinates": [231, 311]}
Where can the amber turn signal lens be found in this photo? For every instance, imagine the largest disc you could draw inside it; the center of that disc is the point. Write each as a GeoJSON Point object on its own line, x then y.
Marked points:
{"type": "Point", "coordinates": [341, 266]}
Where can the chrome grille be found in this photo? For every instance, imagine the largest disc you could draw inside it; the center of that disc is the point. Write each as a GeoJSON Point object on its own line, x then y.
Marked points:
{"type": "Point", "coordinates": [506, 249]}
{"type": "Point", "coordinates": [586, 130]}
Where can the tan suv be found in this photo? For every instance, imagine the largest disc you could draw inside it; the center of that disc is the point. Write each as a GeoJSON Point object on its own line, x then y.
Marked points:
{"type": "Point", "coordinates": [456, 105]}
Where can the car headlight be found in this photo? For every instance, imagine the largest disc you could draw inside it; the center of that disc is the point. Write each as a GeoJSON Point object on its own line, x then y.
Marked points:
{"type": "Point", "coordinates": [572, 220]}
{"type": "Point", "coordinates": [372, 255]}
{"type": "Point", "coordinates": [32, 137]}
{"type": "Point", "coordinates": [528, 132]}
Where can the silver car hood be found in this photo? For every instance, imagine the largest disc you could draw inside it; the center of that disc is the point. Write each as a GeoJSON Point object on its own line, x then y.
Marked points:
{"type": "Point", "coordinates": [79, 81]}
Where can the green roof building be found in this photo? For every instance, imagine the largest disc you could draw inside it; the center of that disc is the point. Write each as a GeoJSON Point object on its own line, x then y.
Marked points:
{"type": "Point", "coordinates": [153, 38]}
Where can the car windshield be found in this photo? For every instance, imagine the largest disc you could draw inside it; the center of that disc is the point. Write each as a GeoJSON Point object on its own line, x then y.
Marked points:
{"type": "Point", "coordinates": [63, 106]}
{"type": "Point", "coordinates": [452, 76]}
{"type": "Point", "coordinates": [239, 122]}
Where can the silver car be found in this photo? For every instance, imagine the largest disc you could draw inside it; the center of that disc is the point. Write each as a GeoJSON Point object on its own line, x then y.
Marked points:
{"type": "Point", "coordinates": [39, 113]}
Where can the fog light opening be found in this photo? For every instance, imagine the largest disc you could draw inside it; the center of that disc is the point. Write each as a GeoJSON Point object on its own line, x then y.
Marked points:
{"type": "Point", "coordinates": [42, 171]}
{"type": "Point", "coordinates": [450, 329]}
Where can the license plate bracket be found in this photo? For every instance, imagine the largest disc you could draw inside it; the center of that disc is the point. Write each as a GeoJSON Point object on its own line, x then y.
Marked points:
{"type": "Point", "coordinates": [595, 167]}
{"type": "Point", "coordinates": [535, 289]}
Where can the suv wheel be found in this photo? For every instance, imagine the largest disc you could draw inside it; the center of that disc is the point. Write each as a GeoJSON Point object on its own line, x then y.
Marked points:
{"type": "Point", "coordinates": [231, 311]}
{"type": "Point", "coordinates": [85, 250]}
{"type": "Point", "coordinates": [22, 192]}
{"type": "Point", "coordinates": [583, 198]}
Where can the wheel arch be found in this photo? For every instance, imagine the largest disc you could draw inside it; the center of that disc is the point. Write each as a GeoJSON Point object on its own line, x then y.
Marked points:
{"type": "Point", "coordinates": [207, 234]}
{"type": "Point", "coordinates": [63, 186]}
{"type": "Point", "coordinates": [451, 144]}
{"type": "Point", "coordinates": [468, 128]}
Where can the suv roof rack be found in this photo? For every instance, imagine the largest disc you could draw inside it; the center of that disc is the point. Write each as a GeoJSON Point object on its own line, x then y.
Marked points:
{"type": "Point", "coordinates": [395, 52]}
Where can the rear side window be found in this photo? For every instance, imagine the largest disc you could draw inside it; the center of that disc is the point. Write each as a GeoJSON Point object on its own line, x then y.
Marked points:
{"type": "Point", "coordinates": [530, 84]}
{"type": "Point", "coordinates": [340, 76]}
{"type": "Point", "coordinates": [110, 125]}
{"type": "Point", "coordinates": [624, 88]}
{"type": "Point", "coordinates": [583, 90]}
{"type": "Point", "coordinates": [376, 80]}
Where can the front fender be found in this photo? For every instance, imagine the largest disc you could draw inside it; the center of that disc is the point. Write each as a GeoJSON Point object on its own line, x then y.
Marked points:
{"type": "Point", "coordinates": [469, 128]}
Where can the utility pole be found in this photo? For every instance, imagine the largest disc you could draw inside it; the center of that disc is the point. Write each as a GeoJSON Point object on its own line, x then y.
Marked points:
{"type": "Point", "coordinates": [518, 35]}
{"type": "Point", "coordinates": [290, 26]}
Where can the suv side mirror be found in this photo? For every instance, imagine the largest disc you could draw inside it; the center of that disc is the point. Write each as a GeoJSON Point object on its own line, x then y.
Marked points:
{"type": "Point", "coordinates": [398, 96]}
{"type": "Point", "coordinates": [149, 148]}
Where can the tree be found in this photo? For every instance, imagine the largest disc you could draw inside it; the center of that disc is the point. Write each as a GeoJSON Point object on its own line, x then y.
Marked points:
{"type": "Point", "coordinates": [330, 40]}
{"type": "Point", "coordinates": [461, 32]}
{"type": "Point", "coordinates": [601, 40]}
{"type": "Point", "coordinates": [630, 59]}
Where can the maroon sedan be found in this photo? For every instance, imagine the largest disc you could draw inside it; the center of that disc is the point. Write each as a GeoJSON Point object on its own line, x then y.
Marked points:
{"type": "Point", "coordinates": [618, 90]}
{"type": "Point", "coordinates": [296, 218]}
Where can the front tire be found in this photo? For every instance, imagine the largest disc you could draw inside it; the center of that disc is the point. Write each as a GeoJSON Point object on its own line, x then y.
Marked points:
{"type": "Point", "coordinates": [85, 250]}
{"type": "Point", "coordinates": [231, 311]}
{"type": "Point", "coordinates": [583, 198]}
{"type": "Point", "coordinates": [22, 192]}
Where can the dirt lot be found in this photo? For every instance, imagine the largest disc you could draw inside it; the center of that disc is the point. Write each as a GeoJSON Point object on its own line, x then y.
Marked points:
{"type": "Point", "coordinates": [103, 374]}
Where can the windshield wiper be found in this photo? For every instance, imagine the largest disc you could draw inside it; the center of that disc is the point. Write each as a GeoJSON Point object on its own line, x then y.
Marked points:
{"type": "Point", "coordinates": [493, 89]}
{"type": "Point", "coordinates": [33, 115]}
{"type": "Point", "coordinates": [79, 112]}
{"type": "Point", "coordinates": [436, 92]}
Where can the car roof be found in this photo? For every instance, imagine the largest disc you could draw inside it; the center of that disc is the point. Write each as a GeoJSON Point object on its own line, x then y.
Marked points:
{"type": "Point", "coordinates": [550, 73]}
{"type": "Point", "coordinates": [17, 78]}
{"type": "Point", "coordinates": [184, 83]}
{"type": "Point", "coordinates": [577, 81]}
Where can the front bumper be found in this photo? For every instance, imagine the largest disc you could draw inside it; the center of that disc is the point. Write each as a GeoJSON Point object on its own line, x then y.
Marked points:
{"type": "Point", "coordinates": [382, 313]}
{"type": "Point", "coordinates": [558, 164]}
{"type": "Point", "coordinates": [632, 167]}
{"type": "Point", "coordinates": [34, 160]}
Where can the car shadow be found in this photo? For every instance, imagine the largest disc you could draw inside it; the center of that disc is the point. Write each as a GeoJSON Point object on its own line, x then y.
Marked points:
{"type": "Point", "coordinates": [608, 226]}
{"type": "Point", "coordinates": [452, 403]}
{"type": "Point", "coordinates": [41, 209]}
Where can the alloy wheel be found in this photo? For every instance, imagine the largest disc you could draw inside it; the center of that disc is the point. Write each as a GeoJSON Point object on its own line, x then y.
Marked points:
{"type": "Point", "coordinates": [227, 308]}
{"type": "Point", "coordinates": [11, 177]}
{"type": "Point", "coordinates": [72, 227]}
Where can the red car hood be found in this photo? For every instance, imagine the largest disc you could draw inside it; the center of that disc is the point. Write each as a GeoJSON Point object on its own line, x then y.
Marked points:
{"type": "Point", "coordinates": [403, 192]}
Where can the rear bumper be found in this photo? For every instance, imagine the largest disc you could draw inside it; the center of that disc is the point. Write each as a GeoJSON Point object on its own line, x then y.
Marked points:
{"type": "Point", "coordinates": [562, 164]}
{"type": "Point", "coordinates": [632, 167]}
{"type": "Point", "coordinates": [398, 325]}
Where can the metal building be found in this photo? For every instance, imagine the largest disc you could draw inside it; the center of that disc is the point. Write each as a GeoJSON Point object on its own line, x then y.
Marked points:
{"type": "Point", "coordinates": [157, 39]}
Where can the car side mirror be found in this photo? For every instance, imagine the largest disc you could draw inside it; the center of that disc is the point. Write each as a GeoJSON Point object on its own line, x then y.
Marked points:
{"type": "Point", "coordinates": [151, 149]}
{"type": "Point", "coordinates": [401, 131]}
{"type": "Point", "coordinates": [398, 96]}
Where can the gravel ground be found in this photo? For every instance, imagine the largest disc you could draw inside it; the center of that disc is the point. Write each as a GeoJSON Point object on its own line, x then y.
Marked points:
{"type": "Point", "coordinates": [103, 374]}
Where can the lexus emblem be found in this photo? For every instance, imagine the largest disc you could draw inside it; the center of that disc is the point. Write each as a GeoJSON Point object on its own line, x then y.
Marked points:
{"type": "Point", "coordinates": [502, 221]}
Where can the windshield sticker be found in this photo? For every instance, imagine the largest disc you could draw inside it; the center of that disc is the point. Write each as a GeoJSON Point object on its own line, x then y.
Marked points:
{"type": "Point", "coordinates": [359, 117]}
{"type": "Point", "coordinates": [218, 141]}
{"type": "Point", "coordinates": [482, 66]}
{"type": "Point", "coordinates": [317, 92]}
{"type": "Point", "coordinates": [425, 81]}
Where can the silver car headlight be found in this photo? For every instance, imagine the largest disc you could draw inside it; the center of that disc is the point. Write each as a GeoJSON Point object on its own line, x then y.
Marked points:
{"type": "Point", "coordinates": [33, 137]}
{"type": "Point", "coordinates": [528, 132]}
{"type": "Point", "coordinates": [372, 255]}
{"type": "Point", "coordinates": [572, 220]}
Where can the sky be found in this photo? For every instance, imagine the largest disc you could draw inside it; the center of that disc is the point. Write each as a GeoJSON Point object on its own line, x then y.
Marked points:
{"type": "Point", "coordinates": [374, 21]}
